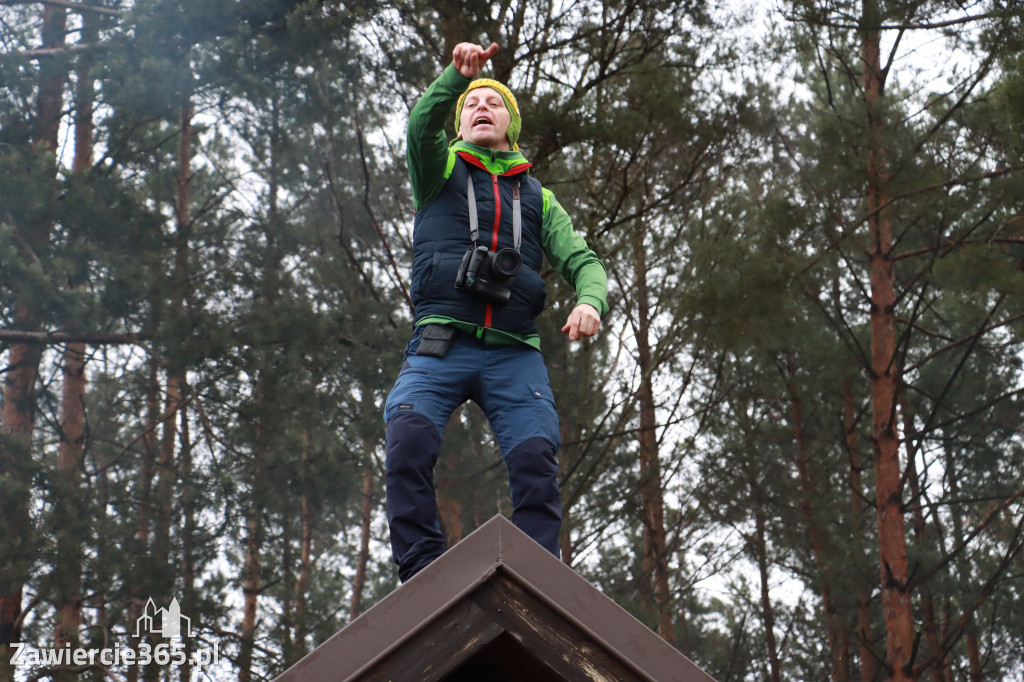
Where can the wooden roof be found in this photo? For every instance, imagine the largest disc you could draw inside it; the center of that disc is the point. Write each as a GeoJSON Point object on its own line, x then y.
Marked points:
{"type": "Point", "coordinates": [495, 607]}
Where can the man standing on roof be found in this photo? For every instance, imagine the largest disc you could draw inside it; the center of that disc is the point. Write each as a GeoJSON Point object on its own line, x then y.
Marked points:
{"type": "Point", "coordinates": [481, 229]}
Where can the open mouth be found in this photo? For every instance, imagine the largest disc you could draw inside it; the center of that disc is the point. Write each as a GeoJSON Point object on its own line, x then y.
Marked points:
{"type": "Point", "coordinates": [482, 121]}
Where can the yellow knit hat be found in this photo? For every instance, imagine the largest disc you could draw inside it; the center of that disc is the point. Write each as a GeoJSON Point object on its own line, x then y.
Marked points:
{"type": "Point", "coordinates": [514, 126]}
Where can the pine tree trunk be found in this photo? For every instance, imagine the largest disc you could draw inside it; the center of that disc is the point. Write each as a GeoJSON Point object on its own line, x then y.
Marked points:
{"type": "Point", "coordinates": [867, 657]}
{"type": "Point", "coordinates": [265, 390]}
{"type": "Point", "coordinates": [298, 637]}
{"type": "Point", "coordinates": [142, 581]}
{"type": "Point", "coordinates": [254, 538]}
{"type": "Point", "coordinates": [947, 662]}
{"type": "Point", "coordinates": [252, 565]}
{"type": "Point", "coordinates": [565, 531]}
{"type": "Point", "coordinates": [68, 531]}
{"type": "Point", "coordinates": [108, 554]}
{"type": "Point", "coordinates": [565, 537]}
{"type": "Point", "coordinates": [366, 515]}
{"type": "Point", "coordinates": [70, 471]}
{"type": "Point", "coordinates": [838, 645]}
{"type": "Point", "coordinates": [767, 610]}
{"type": "Point", "coordinates": [188, 533]}
{"type": "Point", "coordinates": [305, 571]}
{"type": "Point", "coordinates": [928, 623]}
{"type": "Point", "coordinates": [974, 655]}
{"type": "Point", "coordinates": [18, 409]}
{"type": "Point", "coordinates": [163, 572]}
{"type": "Point", "coordinates": [52, 78]}
{"type": "Point", "coordinates": [449, 509]}
{"type": "Point", "coordinates": [250, 586]}
{"type": "Point", "coordinates": [685, 643]}
{"type": "Point", "coordinates": [447, 478]}
{"type": "Point", "coordinates": [655, 563]}
{"type": "Point", "coordinates": [167, 465]}
{"type": "Point", "coordinates": [286, 621]}
{"type": "Point", "coordinates": [892, 542]}
{"type": "Point", "coordinates": [172, 473]}
{"type": "Point", "coordinates": [963, 569]}
{"type": "Point", "coordinates": [16, 473]}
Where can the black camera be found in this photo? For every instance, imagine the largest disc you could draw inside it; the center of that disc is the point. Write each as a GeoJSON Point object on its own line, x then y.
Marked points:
{"type": "Point", "coordinates": [489, 274]}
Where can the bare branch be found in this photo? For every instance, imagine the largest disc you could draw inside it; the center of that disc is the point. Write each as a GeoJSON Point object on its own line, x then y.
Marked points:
{"type": "Point", "coordinates": [931, 25]}
{"type": "Point", "coordinates": [373, 217]}
{"type": "Point", "coordinates": [853, 225]}
{"type": "Point", "coordinates": [909, 25]}
{"type": "Point", "coordinates": [51, 51]}
{"type": "Point", "coordinates": [96, 339]}
{"type": "Point", "coordinates": [1014, 548]}
{"type": "Point", "coordinates": [956, 244]}
{"type": "Point", "coordinates": [76, 6]}
{"type": "Point", "coordinates": [967, 339]}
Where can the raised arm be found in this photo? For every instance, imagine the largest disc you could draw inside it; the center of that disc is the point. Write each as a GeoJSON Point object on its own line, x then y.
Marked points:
{"type": "Point", "coordinates": [426, 142]}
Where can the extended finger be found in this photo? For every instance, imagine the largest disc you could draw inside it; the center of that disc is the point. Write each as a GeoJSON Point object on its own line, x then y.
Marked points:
{"type": "Point", "coordinates": [489, 52]}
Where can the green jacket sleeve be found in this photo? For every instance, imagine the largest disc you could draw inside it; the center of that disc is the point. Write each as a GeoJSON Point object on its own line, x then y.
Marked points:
{"type": "Point", "coordinates": [426, 149]}
{"type": "Point", "coordinates": [571, 257]}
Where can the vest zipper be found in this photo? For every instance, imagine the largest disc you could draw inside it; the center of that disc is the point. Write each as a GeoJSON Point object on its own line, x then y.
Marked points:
{"type": "Point", "coordinates": [521, 168]}
{"type": "Point", "coordinates": [489, 314]}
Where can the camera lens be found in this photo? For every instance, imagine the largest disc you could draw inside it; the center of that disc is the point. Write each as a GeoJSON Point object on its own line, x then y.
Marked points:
{"type": "Point", "coordinates": [506, 263]}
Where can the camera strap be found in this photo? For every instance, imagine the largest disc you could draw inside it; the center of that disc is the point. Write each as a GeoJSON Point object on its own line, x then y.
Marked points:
{"type": "Point", "coordinates": [517, 216]}
{"type": "Point", "coordinates": [517, 213]}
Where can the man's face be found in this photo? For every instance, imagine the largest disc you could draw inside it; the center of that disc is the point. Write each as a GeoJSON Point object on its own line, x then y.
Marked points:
{"type": "Point", "coordinates": [485, 119]}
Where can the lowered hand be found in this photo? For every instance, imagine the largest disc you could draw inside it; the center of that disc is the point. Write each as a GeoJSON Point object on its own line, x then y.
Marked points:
{"type": "Point", "coordinates": [583, 321]}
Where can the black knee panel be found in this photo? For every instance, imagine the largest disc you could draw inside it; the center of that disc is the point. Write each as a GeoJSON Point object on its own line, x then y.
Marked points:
{"type": "Point", "coordinates": [412, 442]}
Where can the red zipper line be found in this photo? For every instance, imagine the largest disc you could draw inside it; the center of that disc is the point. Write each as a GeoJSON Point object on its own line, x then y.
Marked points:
{"type": "Point", "coordinates": [515, 170]}
{"type": "Point", "coordinates": [489, 314]}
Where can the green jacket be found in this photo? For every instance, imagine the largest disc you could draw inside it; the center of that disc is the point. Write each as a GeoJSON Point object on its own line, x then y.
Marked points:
{"type": "Point", "coordinates": [431, 159]}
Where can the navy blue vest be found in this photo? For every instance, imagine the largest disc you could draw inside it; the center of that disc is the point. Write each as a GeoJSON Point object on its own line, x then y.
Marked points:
{"type": "Point", "coordinates": [441, 237]}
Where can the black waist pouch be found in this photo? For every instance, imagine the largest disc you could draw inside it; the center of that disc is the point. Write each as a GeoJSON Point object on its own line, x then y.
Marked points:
{"type": "Point", "coordinates": [436, 340]}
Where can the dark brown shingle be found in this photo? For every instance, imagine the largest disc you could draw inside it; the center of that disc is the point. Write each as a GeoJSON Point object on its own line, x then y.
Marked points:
{"type": "Point", "coordinates": [495, 607]}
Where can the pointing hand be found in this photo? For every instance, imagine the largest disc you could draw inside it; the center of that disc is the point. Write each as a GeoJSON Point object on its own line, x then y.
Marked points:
{"type": "Point", "coordinates": [470, 59]}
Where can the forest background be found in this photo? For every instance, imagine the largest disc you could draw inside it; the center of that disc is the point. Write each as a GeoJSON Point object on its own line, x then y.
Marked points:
{"type": "Point", "coordinates": [795, 451]}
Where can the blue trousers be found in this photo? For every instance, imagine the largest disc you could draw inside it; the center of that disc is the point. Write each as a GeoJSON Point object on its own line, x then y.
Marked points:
{"type": "Point", "coordinates": [510, 384]}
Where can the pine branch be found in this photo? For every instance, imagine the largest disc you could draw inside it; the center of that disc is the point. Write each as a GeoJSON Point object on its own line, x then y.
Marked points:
{"type": "Point", "coordinates": [970, 339]}
{"type": "Point", "coordinates": [51, 51]}
{"type": "Point", "coordinates": [1013, 241]}
{"type": "Point", "coordinates": [373, 217]}
{"type": "Point", "coordinates": [1014, 548]}
{"type": "Point", "coordinates": [931, 25]}
{"type": "Point", "coordinates": [851, 227]}
{"type": "Point", "coordinates": [905, 26]}
{"type": "Point", "coordinates": [96, 339]}
{"type": "Point", "coordinates": [76, 6]}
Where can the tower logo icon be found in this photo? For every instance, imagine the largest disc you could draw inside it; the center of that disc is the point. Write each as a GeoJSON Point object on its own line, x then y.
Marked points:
{"type": "Point", "coordinates": [168, 623]}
